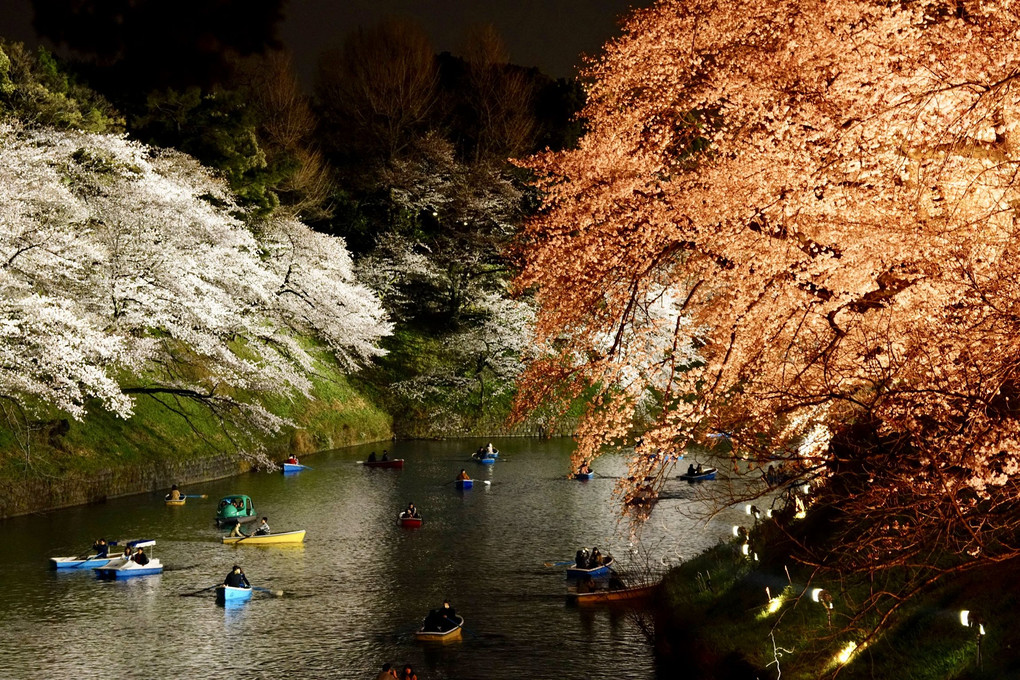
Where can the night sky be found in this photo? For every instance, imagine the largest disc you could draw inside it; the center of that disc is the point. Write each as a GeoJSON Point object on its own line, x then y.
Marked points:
{"type": "Point", "coordinates": [549, 34]}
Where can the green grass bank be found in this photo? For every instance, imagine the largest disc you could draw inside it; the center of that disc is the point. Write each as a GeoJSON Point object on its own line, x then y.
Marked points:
{"type": "Point", "coordinates": [63, 462]}
{"type": "Point", "coordinates": [718, 621]}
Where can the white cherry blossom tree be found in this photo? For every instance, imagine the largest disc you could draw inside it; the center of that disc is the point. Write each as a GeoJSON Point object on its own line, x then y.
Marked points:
{"type": "Point", "coordinates": [125, 270]}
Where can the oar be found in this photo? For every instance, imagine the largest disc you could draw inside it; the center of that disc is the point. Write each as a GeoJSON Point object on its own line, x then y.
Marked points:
{"type": "Point", "coordinates": [86, 560]}
{"type": "Point", "coordinates": [558, 564]}
{"type": "Point", "coordinates": [194, 495]}
{"type": "Point", "coordinates": [199, 591]}
{"type": "Point", "coordinates": [275, 593]}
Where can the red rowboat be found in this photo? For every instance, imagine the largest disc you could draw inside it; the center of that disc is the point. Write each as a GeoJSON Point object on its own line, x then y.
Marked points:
{"type": "Point", "coordinates": [395, 463]}
{"type": "Point", "coordinates": [410, 521]}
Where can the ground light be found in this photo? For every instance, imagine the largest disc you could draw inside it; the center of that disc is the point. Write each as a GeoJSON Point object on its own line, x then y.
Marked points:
{"type": "Point", "coordinates": [774, 604]}
{"type": "Point", "coordinates": [845, 653]}
{"type": "Point", "coordinates": [974, 620]}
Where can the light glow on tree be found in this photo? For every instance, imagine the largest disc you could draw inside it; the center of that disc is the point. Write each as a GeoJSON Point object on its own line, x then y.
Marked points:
{"type": "Point", "coordinates": [828, 192]}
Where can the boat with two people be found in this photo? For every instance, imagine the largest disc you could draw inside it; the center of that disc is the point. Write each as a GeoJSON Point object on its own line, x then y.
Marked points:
{"type": "Point", "coordinates": [133, 562]}
{"type": "Point", "coordinates": [235, 509]}
{"type": "Point", "coordinates": [384, 462]}
{"type": "Point", "coordinates": [587, 564]}
{"type": "Point", "coordinates": [699, 473]}
{"type": "Point", "coordinates": [486, 454]}
{"type": "Point", "coordinates": [410, 517]}
{"type": "Point", "coordinates": [483, 458]}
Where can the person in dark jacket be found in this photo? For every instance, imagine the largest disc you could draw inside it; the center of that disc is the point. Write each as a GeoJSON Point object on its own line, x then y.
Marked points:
{"type": "Point", "coordinates": [236, 578]}
{"type": "Point", "coordinates": [140, 557]}
{"type": "Point", "coordinates": [581, 559]}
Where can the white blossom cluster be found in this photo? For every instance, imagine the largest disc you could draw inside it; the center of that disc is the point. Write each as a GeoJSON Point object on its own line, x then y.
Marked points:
{"type": "Point", "coordinates": [125, 268]}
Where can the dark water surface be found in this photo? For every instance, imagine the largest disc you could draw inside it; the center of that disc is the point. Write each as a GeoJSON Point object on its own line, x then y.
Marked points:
{"type": "Point", "coordinates": [359, 586]}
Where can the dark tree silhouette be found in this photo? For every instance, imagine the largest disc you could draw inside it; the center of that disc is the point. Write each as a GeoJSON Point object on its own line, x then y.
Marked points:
{"type": "Point", "coordinates": [141, 45]}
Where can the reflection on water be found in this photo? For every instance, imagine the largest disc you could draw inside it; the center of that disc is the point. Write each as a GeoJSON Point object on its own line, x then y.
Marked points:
{"type": "Point", "coordinates": [359, 586]}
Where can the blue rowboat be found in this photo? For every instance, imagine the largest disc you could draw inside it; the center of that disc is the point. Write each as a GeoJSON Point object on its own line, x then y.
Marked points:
{"type": "Point", "coordinates": [465, 483]}
{"type": "Point", "coordinates": [706, 474]}
{"type": "Point", "coordinates": [290, 468]}
{"type": "Point", "coordinates": [92, 561]}
{"type": "Point", "coordinates": [602, 570]}
{"type": "Point", "coordinates": [485, 460]}
{"type": "Point", "coordinates": [584, 476]}
{"type": "Point", "coordinates": [64, 563]}
{"type": "Point", "coordinates": [229, 594]}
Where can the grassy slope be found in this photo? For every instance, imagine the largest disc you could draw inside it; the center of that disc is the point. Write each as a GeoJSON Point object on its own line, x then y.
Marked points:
{"type": "Point", "coordinates": [710, 629]}
{"type": "Point", "coordinates": [338, 414]}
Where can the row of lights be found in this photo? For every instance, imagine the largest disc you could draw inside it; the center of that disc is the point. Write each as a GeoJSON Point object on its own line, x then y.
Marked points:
{"type": "Point", "coordinates": [968, 618]}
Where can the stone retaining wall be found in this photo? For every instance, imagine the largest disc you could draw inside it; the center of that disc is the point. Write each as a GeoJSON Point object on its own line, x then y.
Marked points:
{"type": "Point", "coordinates": [60, 492]}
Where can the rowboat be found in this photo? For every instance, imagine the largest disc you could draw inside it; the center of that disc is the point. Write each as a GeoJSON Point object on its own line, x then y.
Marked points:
{"type": "Point", "coordinates": [91, 561]}
{"type": "Point", "coordinates": [291, 468]}
{"type": "Point", "coordinates": [397, 463]}
{"type": "Point", "coordinates": [229, 594]}
{"type": "Point", "coordinates": [482, 453]}
{"type": "Point", "coordinates": [228, 512]}
{"type": "Point", "coordinates": [601, 570]}
{"type": "Point", "coordinates": [599, 596]}
{"type": "Point", "coordinates": [705, 474]}
{"type": "Point", "coordinates": [584, 476]}
{"type": "Point", "coordinates": [484, 460]}
{"type": "Point", "coordinates": [409, 521]}
{"type": "Point", "coordinates": [62, 563]}
{"type": "Point", "coordinates": [441, 636]}
{"type": "Point", "coordinates": [268, 539]}
{"type": "Point", "coordinates": [174, 502]}
{"type": "Point", "coordinates": [464, 483]}
{"type": "Point", "coordinates": [121, 568]}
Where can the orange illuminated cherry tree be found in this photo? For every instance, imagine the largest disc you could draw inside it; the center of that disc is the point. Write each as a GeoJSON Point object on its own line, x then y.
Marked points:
{"type": "Point", "coordinates": [795, 223]}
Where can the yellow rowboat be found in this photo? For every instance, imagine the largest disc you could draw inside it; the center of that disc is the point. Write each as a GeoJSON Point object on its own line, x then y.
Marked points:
{"type": "Point", "coordinates": [268, 539]}
{"type": "Point", "coordinates": [451, 635]}
{"type": "Point", "coordinates": [621, 595]}
{"type": "Point", "coordinates": [174, 503]}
